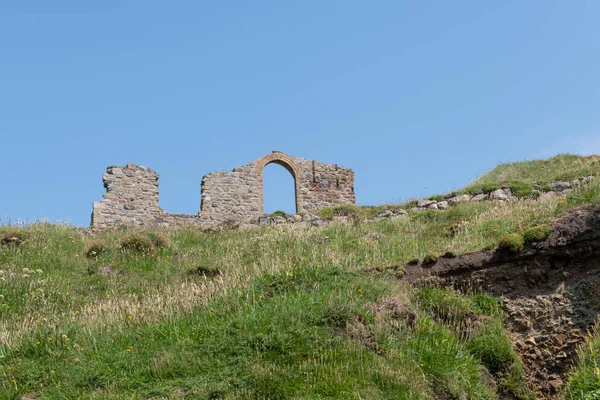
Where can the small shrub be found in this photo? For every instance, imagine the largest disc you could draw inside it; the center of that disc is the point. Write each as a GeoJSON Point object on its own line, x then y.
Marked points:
{"type": "Point", "coordinates": [159, 240]}
{"type": "Point", "coordinates": [95, 249]}
{"type": "Point", "coordinates": [489, 187]}
{"type": "Point", "coordinates": [449, 254]}
{"type": "Point", "coordinates": [326, 213]}
{"type": "Point", "coordinates": [513, 242]}
{"type": "Point", "coordinates": [430, 258]}
{"type": "Point", "coordinates": [400, 272]}
{"type": "Point", "coordinates": [13, 238]}
{"type": "Point", "coordinates": [278, 213]}
{"type": "Point", "coordinates": [345, 211]}
{"type": "Point", "coordinates": [336, 315]}
{"type": "Point", "coordinates": [137, 242]}
{"type": "Point", "coordinates": [520, 189]}
{"type": "Point", "coordinates": [536, 233]}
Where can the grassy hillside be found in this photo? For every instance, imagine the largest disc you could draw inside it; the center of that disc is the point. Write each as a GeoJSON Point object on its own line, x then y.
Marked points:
{"type": "Point", "coordinates": [522, 175]}
{"type": "Point", "coordinates": [279, 312]}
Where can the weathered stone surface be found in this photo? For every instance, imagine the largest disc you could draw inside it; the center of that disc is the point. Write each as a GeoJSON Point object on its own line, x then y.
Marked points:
{"type": "Point", "coordinates": [424, 203]}
{"type": "Point", "coordinates": [131, 197]}
{"type": "Point", "coordinates": [480, 197]}
{"type": "Point", "coordinates": [433, 206]}
{"type": "Point", "coordinates": [400, 211]}
{"type": "Point", "coordinates": [309, 217]}
{"type": "Point", "coordinates": [385, 214]}
{"type": "Point", "coordinates": [442, 205]}
{"type": "Point", "coordinates": [575, 184]}
{"type": "Point", "coordinates": [559, 186]}
{"type": "Point", "coordinates": [501, 194]}
{"type": "Point", "coordinates": [239, 195]}
{"type": "Point", "coordinates": [459, 199]}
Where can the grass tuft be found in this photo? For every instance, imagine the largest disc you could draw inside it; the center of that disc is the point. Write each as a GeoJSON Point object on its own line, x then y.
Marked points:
{"type": "Point", "coordinates": [513, 242]}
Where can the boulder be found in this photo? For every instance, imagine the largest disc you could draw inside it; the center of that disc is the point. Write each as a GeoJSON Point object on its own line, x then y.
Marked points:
{"type": "Point", "coordinates": [433, 206]}
{"type": "Point", "coordinates": [480, 197]}
{"type": "Point", "coordinates": [575, 184]}
{"type": "Point", "coordinates": [459, 199]}
{"type": "Point", "coordinates": [424, 203]}
{"type": "Point", "coordinates": [501, 194]}
{"type": "Point", "coordinates": [442, 205]}
{"type": "Point", "coordinates": [385, 214]}
{"type": "Point", "coordinates": [399, 211]}
{"type": "Point", "coordinates": [415, 209]}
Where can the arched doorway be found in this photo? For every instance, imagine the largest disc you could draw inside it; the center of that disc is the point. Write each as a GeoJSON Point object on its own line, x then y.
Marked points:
{"type": "Point", "coordinates": [284, 161]}
{"type": "Point", "coordinates": [278, 190]}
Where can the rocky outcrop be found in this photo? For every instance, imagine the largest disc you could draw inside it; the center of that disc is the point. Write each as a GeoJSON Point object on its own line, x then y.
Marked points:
{"type": "Point", "coordinates": [549, 292]}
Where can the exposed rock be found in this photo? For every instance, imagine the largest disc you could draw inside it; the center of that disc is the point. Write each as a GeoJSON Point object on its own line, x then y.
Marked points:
{"type": "Point", "coordinates": [309, 217]}
{"type": "Point", "coordinates": [385, 213]}
{"type": "Point", "coordinates": [279, 220]}
{"type": "Point", "coordinates": [399, 211]}
{"type": "Point", "coordinates": [433, 206]}
{"type": "Point", "coordinates": [501, 194]}
{"type": "Point", "coordinates": [415, 209]}
{"type": "Point", "coordinates": [480, 197]}
{"type": "Point", "coordinates": [424, 203]}
{"type": "Point", "coordinates": [559, 186]}
{"type": "Point", "coordinates": [459, 199]}
{"type": "Point", "coordinates": [575, 184]}
{"type": "Point", "coordinates": [294, 218]}
{"type": "Point", "coordinates": [442, 205]}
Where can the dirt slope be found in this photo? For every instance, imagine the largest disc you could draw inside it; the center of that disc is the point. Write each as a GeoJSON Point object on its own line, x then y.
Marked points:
{"type": "Point", "coordinates": [550, 292]}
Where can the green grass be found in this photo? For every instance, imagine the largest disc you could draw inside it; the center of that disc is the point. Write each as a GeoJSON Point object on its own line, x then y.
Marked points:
{"type": "Point", "coordinates": [520, 176]}
{"type": "Point", "coordinates": [270, 313]}
{"type": "Point", "coordinates": [584, 379]}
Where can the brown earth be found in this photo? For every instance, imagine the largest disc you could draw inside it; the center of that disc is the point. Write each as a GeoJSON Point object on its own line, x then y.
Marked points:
{"type": "Point", "coordinates": [550, 292]}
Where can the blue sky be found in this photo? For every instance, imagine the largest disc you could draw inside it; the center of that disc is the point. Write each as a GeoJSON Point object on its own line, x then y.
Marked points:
{"type": "Point", "coordinates": [417, 97]}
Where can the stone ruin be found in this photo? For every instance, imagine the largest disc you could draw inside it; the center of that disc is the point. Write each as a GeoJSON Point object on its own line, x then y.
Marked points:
{"type": "Point", "coordinates": [131, 197]}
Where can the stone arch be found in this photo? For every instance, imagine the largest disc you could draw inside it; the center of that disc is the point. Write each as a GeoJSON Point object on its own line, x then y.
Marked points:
{"type": "Point", "coordinates": [285, 161]}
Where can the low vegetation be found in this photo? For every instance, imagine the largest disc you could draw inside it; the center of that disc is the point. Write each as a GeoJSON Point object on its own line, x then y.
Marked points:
{"type": "Point", "coordinates": [268, 313]}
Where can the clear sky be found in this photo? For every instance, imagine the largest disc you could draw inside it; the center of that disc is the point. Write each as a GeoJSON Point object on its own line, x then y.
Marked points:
{"type": "Point", "coordinates": [417, 97]}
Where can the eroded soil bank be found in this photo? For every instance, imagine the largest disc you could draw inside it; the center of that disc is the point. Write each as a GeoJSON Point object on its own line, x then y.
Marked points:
{"type": "Point", "coordinates": [550, 292]}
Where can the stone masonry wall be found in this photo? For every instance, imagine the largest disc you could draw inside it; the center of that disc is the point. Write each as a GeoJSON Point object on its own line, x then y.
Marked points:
{"type": "Point", "coordinates": [238, 194]}
{"type": "Point", "coordinates": [131, 197]}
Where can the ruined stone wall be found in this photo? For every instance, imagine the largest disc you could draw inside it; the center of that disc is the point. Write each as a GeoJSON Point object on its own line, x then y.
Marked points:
{"type": "Point", "coordinates": [131, 197]}
{"type": "Point", "coordinates": [238, 194]}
